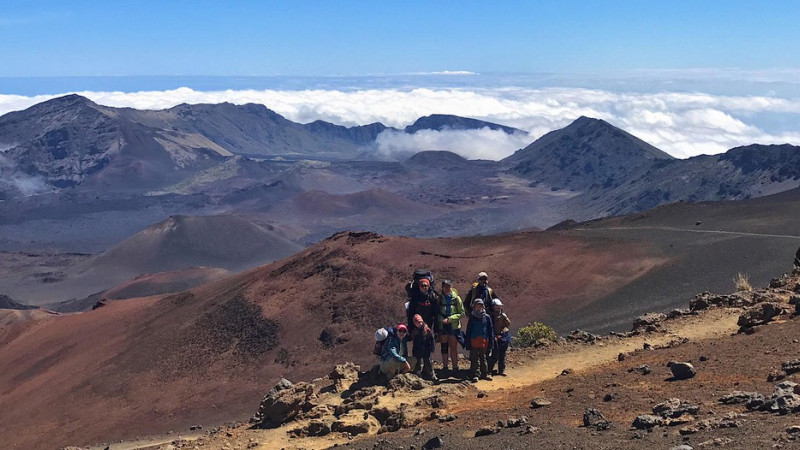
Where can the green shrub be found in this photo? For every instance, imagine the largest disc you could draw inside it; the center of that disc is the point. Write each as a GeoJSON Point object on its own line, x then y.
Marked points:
{"type": "Point", "coordinates": [534, 334]}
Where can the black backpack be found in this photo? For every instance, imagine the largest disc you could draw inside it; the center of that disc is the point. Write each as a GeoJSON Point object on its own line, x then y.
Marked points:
{"type": "Point", "coordinates": [413, 286]}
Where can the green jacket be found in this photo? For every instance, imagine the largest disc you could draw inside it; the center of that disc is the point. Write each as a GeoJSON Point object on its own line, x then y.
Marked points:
{"type": "Point", "coordinates": [456, 310]}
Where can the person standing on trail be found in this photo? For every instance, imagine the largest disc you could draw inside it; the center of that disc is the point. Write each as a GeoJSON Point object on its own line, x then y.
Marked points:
{"type": "Point", "coordinates": [422, 345]}
{"type": "Point", "coordinates": [423, 301]}
{"type": "Point", "coordinates": [451, 310]}
{"type": "Point", "coordinates": [393, 357]}
{"type": "Point", "coordinates": [502, 339]}
{"type": "Point", "coordinates": [481, 290]}
{"type": "Point", "coordinates": [479, 340]}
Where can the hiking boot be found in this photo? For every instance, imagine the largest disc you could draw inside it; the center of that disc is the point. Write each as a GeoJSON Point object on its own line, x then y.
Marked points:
{"type": "Point", "coordinates": [474, 379]}
{"type": "Point", "coordinates": [503, 374]}
{"type": "Point", "coordinates": [486, 377]}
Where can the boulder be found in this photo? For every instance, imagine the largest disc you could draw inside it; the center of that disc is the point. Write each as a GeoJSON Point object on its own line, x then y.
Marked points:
{"type": "Point", "coordinates": [540, 402]}
{"type": "Point", "coordinates": [682, 370]}
{"type": "Point", "coordinates": [408, 382]}
{"type": "Point", "coordinates": [792, 366]}
{"type": "Point", "coordinates": [582, 336]}
{"type": "Point", "coordinates": [282, 404]}
{"type": "Point", "coordinates": [675, 407]}
{"type": "Point", "coordinates": [760, 314]}
{"type": "Point", "coordinates": [647, 421]}
{"type": "Point", "coordinates": [486, 431]}
{"type": "Point", "coordinates": [648, 322]}
{"type": "Point", "coordinates": [739, 397]}
{"type": "Point", "coordinates": [592, 418]}
{"type": "Point", "coordinates": [677, 312]}
{"type": "Point", "coordinates": [313, 428]}
{"type": "Point", "coordinates": [435, 442]}
{"type": "Point", "coordinates": [515, 422]}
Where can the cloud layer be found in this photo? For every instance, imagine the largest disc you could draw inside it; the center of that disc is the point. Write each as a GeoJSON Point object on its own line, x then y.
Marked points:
{"type": "Point", "coordinates": [682, 124]}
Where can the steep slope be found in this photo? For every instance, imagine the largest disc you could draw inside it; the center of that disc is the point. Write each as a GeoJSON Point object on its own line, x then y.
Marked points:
{"type": "Point", "coordinates": [70, 140]}
{"type": "Point", "coordinates": [740, 173]}
{"type": "Point", "coordinates": [588, 153]}
{"type": "Point", "coordinates": [158, 364]}
{"type": "Point", "coordinates": [255, 130]}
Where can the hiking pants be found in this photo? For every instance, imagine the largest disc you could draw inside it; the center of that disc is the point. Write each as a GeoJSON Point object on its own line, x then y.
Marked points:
{"type": "Point", "coordinates": [427, 366]}
{"type": "Point", "coordinates": [498, 356]}
{"type": "Point", "coordinates": [477, 357]}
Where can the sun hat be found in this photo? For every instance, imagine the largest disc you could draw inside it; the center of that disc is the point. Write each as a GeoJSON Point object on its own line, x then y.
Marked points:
{"type": "Point", "coordinates": [497, 302]}
{"type": "Point", "coordinates": [381, 335]}
{"type": "Point", "coordinates": [483, 275]}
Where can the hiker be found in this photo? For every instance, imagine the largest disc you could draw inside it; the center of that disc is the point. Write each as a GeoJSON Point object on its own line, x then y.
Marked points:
{"type": "Point", "coordinates": [797, 259]}
{"type": "Point", "coordinates": [480, 290]}
{"type": "Point", "coordinates": [451, 310]}
{"type": "Point", "coordinates": [480, 340]}
{"type": "Point", "coordinates": [502, 339]}
{"type": "Point", "coordinates": [422, 345]}
{"type": "Point", "coordinates": [394, 357]}
{"type": "Point", "coordinates": [422, 301]}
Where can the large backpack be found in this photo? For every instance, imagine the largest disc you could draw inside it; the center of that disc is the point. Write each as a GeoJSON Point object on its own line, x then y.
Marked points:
{"type": "Point", "coordinates": [413, 286]}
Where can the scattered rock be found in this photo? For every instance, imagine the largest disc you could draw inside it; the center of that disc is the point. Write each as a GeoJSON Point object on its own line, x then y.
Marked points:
{"type": "Point", "coordinates": [566, 372]}
{"type": "Point", "coordinates": [486, 431]}
{"type": "Point", "coordinates": [582, 336]}
{"type": "Point", "coordinates": [608, 398]}
{"type": "Point", "coordinates": [704, 358]}
{"type": "Point", "coordinates": [647, 346]}
{"type": "Point", "coordinates": [621, 357]}
{"type": "Point", "coordinates": [592, 418]}
{"type": "Point", "coordinates": [540, 402]}
{"type": "Point", "coordinates": [515, 422]}
{"type": "Point", "coordinates": [776, 375]}
{"type": "Point", "coordinates": [530, 429]}
{"type": "Point", "coordinates": [675, 407]}
{"type": "Point", "coordinates": [794, 429]}
{"type": "Point", "coordinates": [648, 322]}
{"type": "Point", "coordinates": [647, 421]}
{"type": "Point", "coordinates": [448, 418]}
{"type": "Point", "coordinates": [760, 314]}
{"type": "Point", "coordinates": [435, 442]}
{"type": "Point", "coordinates": [678, 312]}
{"type": "Point", "coordinates": [792, 366]}
{"type": "Point", "coordinates": [716, 442]}
{"type": "Point", "coordinates": [738, 397]}
{"type": "Point", "coordinates": [682, 447]}
{"type": "Point", "coordinates": [681, 370]}
{"type": "Point", "coordinates": [482, 394]}
{"type": "Point", "coordinates": [644, 369]}
{"type": "Point", "coordinates": [730, 420]}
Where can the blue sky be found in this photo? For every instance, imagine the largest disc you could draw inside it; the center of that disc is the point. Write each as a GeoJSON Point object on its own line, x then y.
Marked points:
{"type": "Point", "coordinates": [690, 77]}
{"type": "Point", "coordinates": [319, 38]}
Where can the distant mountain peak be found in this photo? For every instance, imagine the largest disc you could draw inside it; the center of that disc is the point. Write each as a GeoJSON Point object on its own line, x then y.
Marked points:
{"type": "Point", "coordinates": [441, 122]}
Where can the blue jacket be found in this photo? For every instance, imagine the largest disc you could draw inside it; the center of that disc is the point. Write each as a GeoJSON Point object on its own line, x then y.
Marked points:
{"type": "Point", "coordinates": [482, 327]}
{"type": "Point", "coordinates": [394, 347]}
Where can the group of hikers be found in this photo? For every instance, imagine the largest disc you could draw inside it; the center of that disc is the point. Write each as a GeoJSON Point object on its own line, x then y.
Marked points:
{"type": "Point", "coordinates": [437, 316]}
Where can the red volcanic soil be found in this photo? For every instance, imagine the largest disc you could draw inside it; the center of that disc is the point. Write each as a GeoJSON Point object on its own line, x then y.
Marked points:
{"type": "Point", "coordinates": [208, 355]}
{"type": "Point", "coordinates": [165, 282]}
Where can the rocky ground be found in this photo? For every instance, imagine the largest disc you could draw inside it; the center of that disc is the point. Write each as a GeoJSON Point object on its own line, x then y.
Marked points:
{"type": "Point", "coordinates": [720, 373]}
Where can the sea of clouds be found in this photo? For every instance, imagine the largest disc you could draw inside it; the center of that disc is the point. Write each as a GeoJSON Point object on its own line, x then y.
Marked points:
{"type": "Point", "coordinates": [683, 124]}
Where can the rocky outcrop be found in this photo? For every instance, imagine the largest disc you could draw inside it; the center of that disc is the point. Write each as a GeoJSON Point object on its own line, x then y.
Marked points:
{"type": "Point", "coordinates": [761, 314]}
{"type": "Point", "coordinates": [649, 322]}
{"type": "Point", "coordinates": [592, 418]}
{"type": "Point", "coordinates": [284, 402]}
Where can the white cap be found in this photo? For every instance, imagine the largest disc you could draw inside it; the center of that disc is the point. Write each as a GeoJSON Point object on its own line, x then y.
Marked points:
{"type": "Point", "coordinates": [497, 302]}
{"type": "Point", "coordinates": [483, 275]}
{"type": "Point", "coordinates": [381, 335]}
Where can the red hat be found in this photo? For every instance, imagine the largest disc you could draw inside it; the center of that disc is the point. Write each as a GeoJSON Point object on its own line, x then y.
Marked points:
{"type": "Point", "coordinates": [424, 281]}
{"type": "Point", "coordinates": [402, 327]}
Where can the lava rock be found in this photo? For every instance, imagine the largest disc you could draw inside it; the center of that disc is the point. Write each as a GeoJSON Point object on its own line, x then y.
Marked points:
{"type": "Point", "coordinates": [592, 418]}
{"type": "Point", "coordinates": [682, 370]}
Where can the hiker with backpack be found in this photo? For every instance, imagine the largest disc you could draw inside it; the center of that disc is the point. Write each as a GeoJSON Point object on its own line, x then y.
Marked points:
{"type": "Point", "coordinates": [451, 310]}
{"type": "Point", "coordinates": [422, 299]}
{"type": "Point", "coordinates": [481, 290]}
{"type": "Point", "coordinates": [479, 341]}
{"type": "Point", "coordinates": [502, 339]}
{"type": "Point", "coordinates": [393, 350]}
{"type": "Point", "coordinates": [422, 345]}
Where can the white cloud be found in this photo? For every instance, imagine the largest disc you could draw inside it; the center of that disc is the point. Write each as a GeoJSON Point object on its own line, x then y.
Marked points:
{"type": "Point", "coordinates": [471, 144]}
{"type": "Point", "coordinates": [682, 124]}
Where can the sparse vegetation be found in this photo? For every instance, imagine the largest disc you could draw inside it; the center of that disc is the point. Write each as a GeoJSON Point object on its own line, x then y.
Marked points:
{"type": "Point", "coordinates": [534, 334]}
{"type": "Point", "coordinates": [741, 282]}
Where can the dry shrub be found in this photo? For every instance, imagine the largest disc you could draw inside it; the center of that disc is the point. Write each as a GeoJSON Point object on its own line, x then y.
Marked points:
{"type": "Point", "coordinates": [741, 282]}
